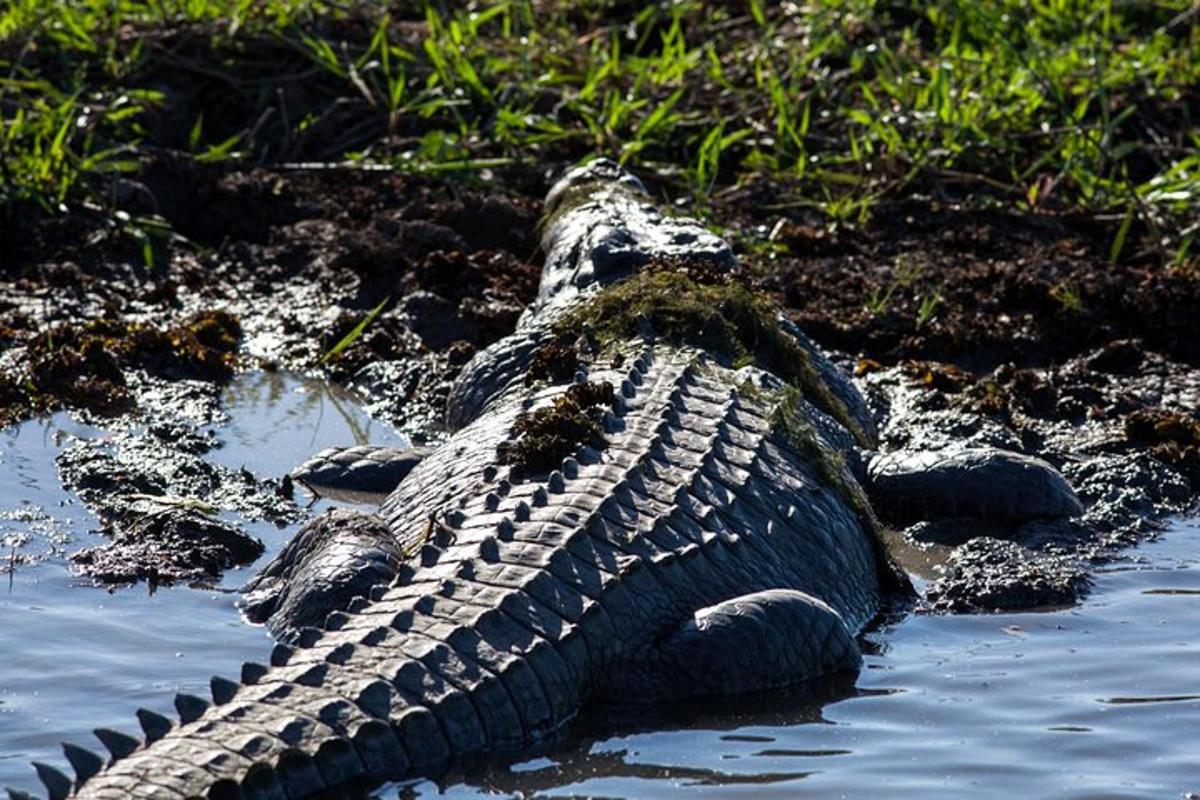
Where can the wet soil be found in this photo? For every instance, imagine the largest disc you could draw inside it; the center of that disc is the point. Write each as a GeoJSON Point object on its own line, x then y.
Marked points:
{"type": "Point", "coordinates": [382, 282]}
{"type": "Point", "coordinates": [970, 324]}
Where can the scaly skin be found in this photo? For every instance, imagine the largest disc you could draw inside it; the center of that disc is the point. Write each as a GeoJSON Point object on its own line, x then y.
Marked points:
{"type": "Point", "coordinates": [547, 594]}
{"type": "Point", "coordinates": [698, 548]}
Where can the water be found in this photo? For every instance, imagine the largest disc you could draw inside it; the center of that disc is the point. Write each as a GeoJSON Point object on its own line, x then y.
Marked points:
{"type": "Point", "coordinates": [1102, 700]}
{"type": "Point", "coordinates": [75, 657]}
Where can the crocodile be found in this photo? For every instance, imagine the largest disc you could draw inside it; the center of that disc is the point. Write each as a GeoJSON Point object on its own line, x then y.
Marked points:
{"type": "Point", "coordinates": [669, 507]}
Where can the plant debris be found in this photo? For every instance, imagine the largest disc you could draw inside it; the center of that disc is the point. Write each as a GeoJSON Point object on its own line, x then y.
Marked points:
{"type": "Point", "coordinates": [169, 544]}
{"type": "Point", "coordinates": [709, 310]}
{"type": "Point", "coordinates": [548, 435]}
{"type": "Point", "coordinates": [1171, 437]}
{"type": "Point", "coordinates": [82, 365]}
{"type": "Point", "coordinates": [555, 361]}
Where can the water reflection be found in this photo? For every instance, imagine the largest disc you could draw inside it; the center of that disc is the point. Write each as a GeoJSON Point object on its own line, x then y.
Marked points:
{"type": "Point", "coordinates": [278, 419]}
{"type": "Point", "coordinates": [604, 740]}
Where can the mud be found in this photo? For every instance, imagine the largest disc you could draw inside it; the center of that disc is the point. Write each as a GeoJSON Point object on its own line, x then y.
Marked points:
{"type": "Point", "coordinates": [163, 505]}
{"type": "Point", "coordinates": [1035, 289]}
{"type": "Point", "coordinates": [988, 574]}
{"type": "Point", "coordinates": [272, 269]}
{"type": "Point", "coordinates": [1122, 439]}
{"type": "Point", "coordinates": [970, 326]}
{"type": "Point", "coordinates": [167, 545]}
{"type": "Point", "coordinates": [166, 462]}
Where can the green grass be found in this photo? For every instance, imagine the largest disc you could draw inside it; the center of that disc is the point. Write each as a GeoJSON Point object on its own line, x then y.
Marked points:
{"type": "Point", "coordinates": [1054, 105]}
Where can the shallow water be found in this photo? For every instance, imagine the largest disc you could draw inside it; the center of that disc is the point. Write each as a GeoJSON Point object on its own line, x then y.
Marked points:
{"type": "Point", "coordinates": [1102, 700]}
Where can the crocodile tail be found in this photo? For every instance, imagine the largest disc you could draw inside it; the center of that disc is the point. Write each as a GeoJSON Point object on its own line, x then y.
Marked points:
{"type": "Point", "coordinates": [397, 691]}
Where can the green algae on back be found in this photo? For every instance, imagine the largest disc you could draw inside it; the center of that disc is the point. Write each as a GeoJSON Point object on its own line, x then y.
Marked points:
{"type": "Point", "coordinates": [697, 305]}
{"type": "Point", "coordinates": [793, 425]}
{"type": "Point", "coordinates": [548, 435]}
{"type": "Point", "coordinates": [554, 362]}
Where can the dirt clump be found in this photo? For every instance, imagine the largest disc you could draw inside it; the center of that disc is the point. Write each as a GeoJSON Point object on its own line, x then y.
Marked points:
{"type": "Point", "coordinates": [83, 365]}
{"type": "Point", "coordinates": [168, 545]}
{"type": "Point", "coordinates": [1171, 437]}
{"type": "Point", "coordinates": [989, 574]}
{"type": "Point", "coordinates": [555, 361]}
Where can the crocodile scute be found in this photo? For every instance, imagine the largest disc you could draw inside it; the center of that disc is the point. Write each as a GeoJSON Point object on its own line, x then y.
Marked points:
{"type": "Point", "coordinates": [710, 536]}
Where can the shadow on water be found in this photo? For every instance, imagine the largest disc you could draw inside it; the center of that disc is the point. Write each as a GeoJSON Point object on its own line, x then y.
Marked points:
{"type": "Point", "coordinates": [1100, 700]}
{"type": "Point", "coordinates": [587, 750]}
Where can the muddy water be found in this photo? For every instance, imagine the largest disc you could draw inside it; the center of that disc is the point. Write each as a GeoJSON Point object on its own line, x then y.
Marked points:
{"type": "Point", "coordinates": [1102, 700]}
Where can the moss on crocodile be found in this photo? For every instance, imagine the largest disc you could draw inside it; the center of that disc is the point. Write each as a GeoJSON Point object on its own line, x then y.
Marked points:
{"type": "Point", "coordinates": [694, 303]}
{"type": "Point", "coordinates": [790, 423]}
{"type": "Point", "coordinates": [583, 194]}
{"type": "Point", "coordinates": [548, 435]}
{"type": "Point", "coordinates": [555, 361]}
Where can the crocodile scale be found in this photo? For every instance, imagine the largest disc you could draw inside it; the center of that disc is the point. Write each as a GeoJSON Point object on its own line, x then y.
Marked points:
{"type": "Point", "coordinates": [522, 598]}
{"type": "Point", "coordinates": [540, 592]}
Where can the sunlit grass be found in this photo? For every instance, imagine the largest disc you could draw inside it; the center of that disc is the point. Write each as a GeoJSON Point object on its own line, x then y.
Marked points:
{"type": "Point", "coordinates": [1084, 106]}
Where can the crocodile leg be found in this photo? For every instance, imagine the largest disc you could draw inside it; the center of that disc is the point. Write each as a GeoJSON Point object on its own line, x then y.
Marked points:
{"type": "Point", "coordinates": [758, 641]}
{"type": "Point", "coordinates": [363, 469]}
{"type": "Point", "coordinates": [334, 559]}
{"type": "Point", "coordinates": [981, 483]}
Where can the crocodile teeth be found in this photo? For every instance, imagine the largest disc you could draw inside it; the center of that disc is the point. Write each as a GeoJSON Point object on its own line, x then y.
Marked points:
{"type": "Point", "coordinates": [83, 761]}
{"type": "Point", "coordinates": [189, 707]}
{"type": "Point", "coordinates": [117, 743]}
{"type": "Point", "coordinates": [56, 782]}
{"type": "Point", "coordinates": [154, 725]}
